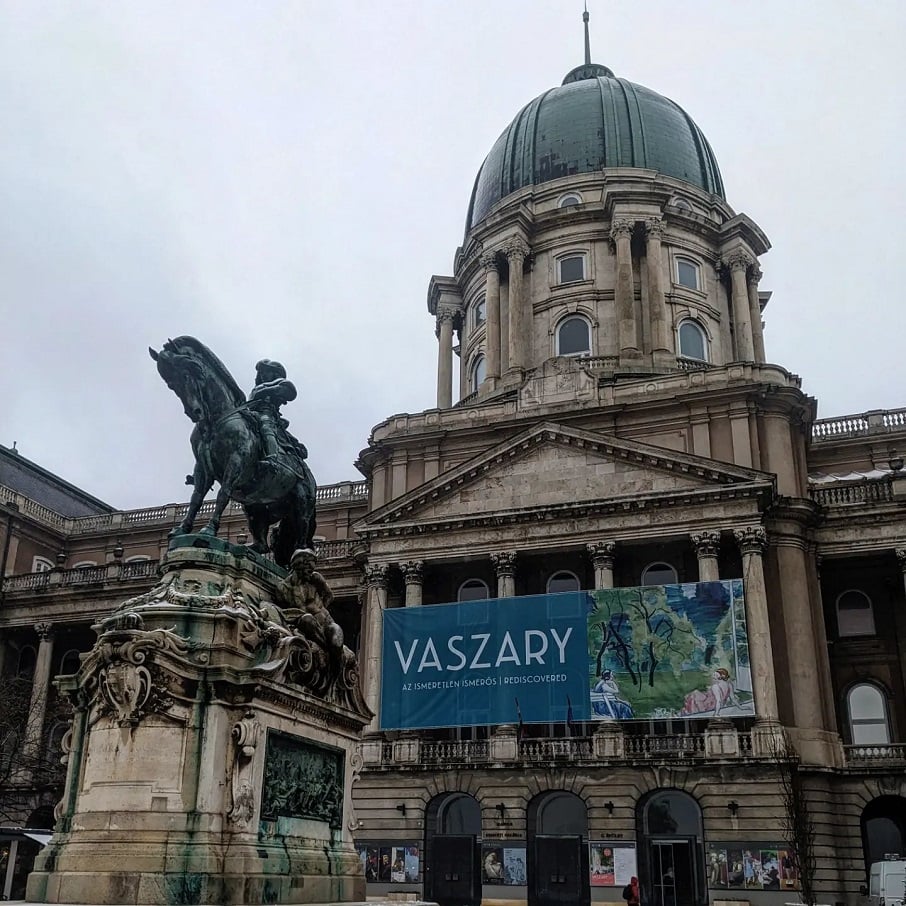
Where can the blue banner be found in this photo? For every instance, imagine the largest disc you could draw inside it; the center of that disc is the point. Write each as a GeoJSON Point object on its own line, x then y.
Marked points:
{"type": "Point", "coordinates": [658, 652]}
{"type": "Point", "coordinates": [501, 661]}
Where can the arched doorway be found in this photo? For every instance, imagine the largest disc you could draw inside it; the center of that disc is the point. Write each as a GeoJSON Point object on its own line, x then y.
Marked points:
{"type": "Point", "coordinates": [671, 850]}
{"type": "Point", "coordinates": [557, 839]}
{"type": "Point", "coordinates": [452, 850]}
{"type": "Point", "coordinates": [883, 828]}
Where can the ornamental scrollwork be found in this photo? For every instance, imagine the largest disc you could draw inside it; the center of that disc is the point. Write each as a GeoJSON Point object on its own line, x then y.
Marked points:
{"type": "Point", "coordinates": [504, 562]}
{"type": "Point", "coordinates": [706, 544]}
{"type": "Point", "coordinates": [601, 553]}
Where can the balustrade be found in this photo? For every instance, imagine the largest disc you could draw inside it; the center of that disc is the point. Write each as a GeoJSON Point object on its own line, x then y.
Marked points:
{"type": "Point", "coordinates": [879, 421]}
{"type": "Point", "coordinates": [840, 494]}
{"type": "Point", "coordinates": [886, 753]}
{"type": "Point", "coordinates": [454, 751]}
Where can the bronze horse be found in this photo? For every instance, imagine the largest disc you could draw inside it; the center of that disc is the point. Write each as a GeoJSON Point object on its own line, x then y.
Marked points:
{"type": "Point", "coordinates": [228, 448]}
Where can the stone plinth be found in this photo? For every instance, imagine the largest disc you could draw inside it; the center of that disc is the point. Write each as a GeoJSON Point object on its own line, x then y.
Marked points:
{"type": "Point", "coordinates": [212, 752]}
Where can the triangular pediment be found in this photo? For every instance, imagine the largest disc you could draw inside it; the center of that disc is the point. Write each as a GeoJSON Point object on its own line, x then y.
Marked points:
{"type": "Point", "coordinates": [553, 467]}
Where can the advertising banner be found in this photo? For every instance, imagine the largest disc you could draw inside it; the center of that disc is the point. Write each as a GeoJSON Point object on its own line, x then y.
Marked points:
{"type": "Point", "coordinates": [500, 661]}
{"type": "Point", "coordinates": [654, 652]}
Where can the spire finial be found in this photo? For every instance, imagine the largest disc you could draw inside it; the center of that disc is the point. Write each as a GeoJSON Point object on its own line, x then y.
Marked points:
{"type": "Point", "coordinates": [587, 42]}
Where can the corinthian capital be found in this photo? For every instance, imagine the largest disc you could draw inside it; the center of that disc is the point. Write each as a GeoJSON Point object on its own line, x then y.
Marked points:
{"type": "Point", "coordinates": [376, 574]}
{"type": "Point", "coordinates": [621, 227]}
{"type": "Point", "coordinates": [601, 553]}
{"type": "Point", "coordinates": [654, 227]}
{"type": "Point", "coordinates": [706, 543]}
{"type": "Point", "coordinates": [901, 558]}
{"type": "Point", "coordinates": [489, 261]}
{"type": "Point", "coordinates": [738, 260]}
{"type": "Point", "coordinates": [751, 539]}
{"type": "Point", "coordinates": [516, 248]}
{"type": "Point", "coordinates": [413, 571]}
{"type": "Point", "coordinates": [45, 631]}
{"type": "Point", "coordinates": [755, 274]}
{"type": "Point", "coordinates": [504, 562]}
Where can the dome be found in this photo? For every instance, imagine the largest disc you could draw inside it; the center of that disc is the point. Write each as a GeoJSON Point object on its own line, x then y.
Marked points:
{"type": "Point", "coordinates": [592, 121]}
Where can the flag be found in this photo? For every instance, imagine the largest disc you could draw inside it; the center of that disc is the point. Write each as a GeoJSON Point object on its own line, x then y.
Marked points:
{"type": "Point", "coordinates": [570, 720]}
{"type": "Point", "coordinates": [520, 727]}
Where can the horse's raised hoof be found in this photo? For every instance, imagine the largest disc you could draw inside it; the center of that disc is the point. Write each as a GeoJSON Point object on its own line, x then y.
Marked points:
{"type": "Point", "coordinates": [177, 532]}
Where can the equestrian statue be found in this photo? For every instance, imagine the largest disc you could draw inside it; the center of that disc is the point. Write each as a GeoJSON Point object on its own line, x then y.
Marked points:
{"type": "Point", "coordinates": [244, 445]}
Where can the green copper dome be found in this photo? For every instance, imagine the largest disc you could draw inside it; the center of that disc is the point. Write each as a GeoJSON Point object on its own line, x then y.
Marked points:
{"type": "Point", "coordinates": [592, 121]}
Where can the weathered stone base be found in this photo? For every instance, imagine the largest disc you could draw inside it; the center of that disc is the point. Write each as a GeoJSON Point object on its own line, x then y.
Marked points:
{"type": "Point", "coordinates": [210, 762]}
{"type": "Point", "coordinates": [104, 869]}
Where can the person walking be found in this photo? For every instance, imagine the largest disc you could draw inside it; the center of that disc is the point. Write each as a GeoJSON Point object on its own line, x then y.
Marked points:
{"type": "Point", "coordinates": [631, 892]}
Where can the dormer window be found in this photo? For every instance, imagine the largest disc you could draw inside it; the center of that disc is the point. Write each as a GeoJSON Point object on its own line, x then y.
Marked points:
{"type": "Point", "coordinates": [688, 274]}
{"type": "Point", "coordinates": [569, 201]}
{"type": "Point", "coordinates": [571, 269]}
{"type": "Point", "coordinates": [574, 336]}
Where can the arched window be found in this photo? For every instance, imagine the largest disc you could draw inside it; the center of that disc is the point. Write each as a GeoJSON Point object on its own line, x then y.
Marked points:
{"type": "Point", "coordinates": [84, 564]}
{"type": "Point", "coordinates": [70, 662]}
{"type": "Point", "coordinates": [562, 581]}
{"type": "Point", "coordinates": [479, 311]}
{"type": "Point", "coordinates": [687, 273]}
{"type": "Point", "coordinates": [477, 373]}
{"type": "Point", "coordinates": [855, 615]}
{"type": "Point", "coordinates": [682, 205]}
{"type": "Point", "coordinates": [693, 343]}
{"type": "Point", "coordinates": [659, 574]}
{"type": "Point", "coordinates": [571, 268]}
{"type": "Point", "coordinates": [867, 706]}
{"type": "Point", "coordinates": [41, 565]}
{"type": "Point", "coordinates": [144, 558]}
{"type": "Point", "coordinates": [568, 201]}
{"type": "Point", "coordinates": [473, 590]}
{"type": "Point", "coordinates": [574, 337]}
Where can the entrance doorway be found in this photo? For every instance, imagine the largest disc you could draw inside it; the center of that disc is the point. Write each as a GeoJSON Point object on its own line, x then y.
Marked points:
{"type": "Point", "coordinates": [557, 830]}
{"type": "Point", "coordinates": [452, 850]}
{"type": "Point", "coordinates": [883, 828]}
{"type": "Point", "coordinates": [671, 851]}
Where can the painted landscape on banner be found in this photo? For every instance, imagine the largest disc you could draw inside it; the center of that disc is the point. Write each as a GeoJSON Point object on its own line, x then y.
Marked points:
{"type": "Point", "coordinates": [665, 651]}
{"type": "Point", "coordinates": [646, 653]}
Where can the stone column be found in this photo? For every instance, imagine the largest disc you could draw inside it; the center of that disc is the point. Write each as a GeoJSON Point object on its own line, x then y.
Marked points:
{"type": "Point", "coordinates": [372, 643]}
{"type": "Point", "coordinates": [706, 546]}
{"type": "Point", "coordinates": [660, 340]}
{"type": "Point", "coordinates": [602, 556]}
{"type": "Point", "coordinates": [738, 263]}
{"type": "Point", "coordinates": [32, 744]}
{"type": "Point", "coordinates": [755, 313]}
{"type": "Point", "coordinates": [444, 358]}
{"type": "Point", "coordinates": [519, 308]}
{"type": "Point", "coordinates": [505, 564]}
{"type": "Point", "coordinates": [492, 308]}
{"type": "Point", "coordinates": [624, 295]}
{"type": "Point", "coordinates": [752, 541]}
{"type": "Point", "coordinates": [413, 573]}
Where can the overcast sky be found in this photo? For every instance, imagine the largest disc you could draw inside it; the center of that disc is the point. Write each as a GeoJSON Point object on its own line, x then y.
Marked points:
{"type": "Point", "coordinates": [282, 179]}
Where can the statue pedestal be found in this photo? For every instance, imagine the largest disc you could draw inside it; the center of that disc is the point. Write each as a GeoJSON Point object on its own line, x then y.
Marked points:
{"type": "Point", "coordinates": [212, 752]}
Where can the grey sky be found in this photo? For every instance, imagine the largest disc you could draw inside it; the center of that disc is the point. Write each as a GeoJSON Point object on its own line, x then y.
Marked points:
{"type": "Point", "coordinates": [282, 179]}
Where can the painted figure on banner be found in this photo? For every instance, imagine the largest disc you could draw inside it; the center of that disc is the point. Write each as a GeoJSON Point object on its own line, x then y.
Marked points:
{"type": "Point", "coordinates": [714, 699]}
{"type": "Point", "coordinates": [606, 701]}
{"type": "Point", "coordinates": [493, 866]}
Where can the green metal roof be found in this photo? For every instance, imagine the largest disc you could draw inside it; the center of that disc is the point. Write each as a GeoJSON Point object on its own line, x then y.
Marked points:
{"type": "Point", "coordinates": [592, 121]}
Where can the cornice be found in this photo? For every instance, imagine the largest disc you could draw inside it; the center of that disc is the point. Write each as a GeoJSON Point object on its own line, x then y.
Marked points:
{"type": "Point", "coordinates": [629, 504]}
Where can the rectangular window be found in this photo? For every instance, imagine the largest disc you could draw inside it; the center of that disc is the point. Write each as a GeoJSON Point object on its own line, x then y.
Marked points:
{"type": "Point", "coordinates": [687, 274]}
{"type": "Point", "coordinates": [572, 269]}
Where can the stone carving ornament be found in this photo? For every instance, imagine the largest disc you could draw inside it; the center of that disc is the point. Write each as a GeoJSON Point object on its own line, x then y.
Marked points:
{"type": "Point", "coordinates": [120, 677]}
{"type": "Point", "coordinates": [246, 732]}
